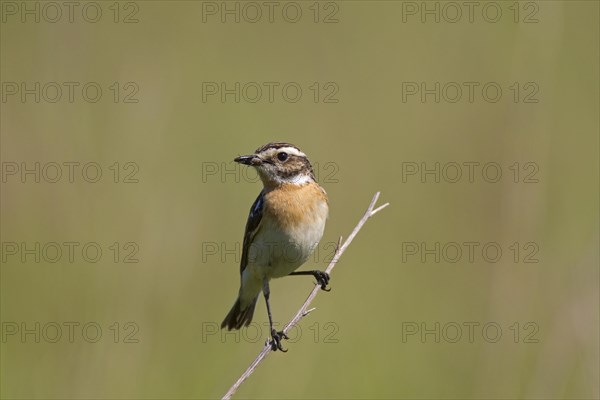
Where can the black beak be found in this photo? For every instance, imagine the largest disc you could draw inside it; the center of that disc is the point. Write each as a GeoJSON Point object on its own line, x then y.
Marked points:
{"type": "Point", "coordinates": [248, 160]}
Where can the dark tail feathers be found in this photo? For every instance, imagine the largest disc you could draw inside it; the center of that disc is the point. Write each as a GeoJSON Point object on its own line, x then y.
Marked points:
{"type": "Point", "coordinates": [238, 317]}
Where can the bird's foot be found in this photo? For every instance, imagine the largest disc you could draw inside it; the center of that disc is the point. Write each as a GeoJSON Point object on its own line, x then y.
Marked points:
{"type": "Point", "coordinates": [276, 338]}
{"type": "Point", "coordinates": [322, 279]}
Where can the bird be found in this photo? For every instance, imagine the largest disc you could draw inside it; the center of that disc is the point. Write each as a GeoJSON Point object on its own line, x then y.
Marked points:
{"type": "Point", "coordinates": [284, 226]}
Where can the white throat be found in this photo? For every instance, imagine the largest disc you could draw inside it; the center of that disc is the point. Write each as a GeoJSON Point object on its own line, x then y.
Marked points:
{"type": "Point", "coordinates": [298, 180]}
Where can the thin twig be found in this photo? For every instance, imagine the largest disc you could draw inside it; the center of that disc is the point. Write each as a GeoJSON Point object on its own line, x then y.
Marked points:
{"type": "Point", "coordinates": [303, 311]}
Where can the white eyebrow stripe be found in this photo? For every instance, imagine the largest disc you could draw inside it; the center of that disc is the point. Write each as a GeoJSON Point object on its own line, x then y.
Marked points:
{"type": "Point", "coordinates": [292, 150]}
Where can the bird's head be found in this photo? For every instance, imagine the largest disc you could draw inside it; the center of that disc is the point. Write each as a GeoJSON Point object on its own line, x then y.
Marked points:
{"type": "Point", "coordinates": [280, 163]}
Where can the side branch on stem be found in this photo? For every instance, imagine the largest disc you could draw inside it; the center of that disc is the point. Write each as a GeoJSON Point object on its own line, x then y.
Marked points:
{"type": "Point", "coordinates": [304, 310]}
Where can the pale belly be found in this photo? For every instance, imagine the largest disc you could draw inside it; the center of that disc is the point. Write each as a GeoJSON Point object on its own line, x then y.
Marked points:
{"type": "Point", "coordinates": [276, 252]}
{"type": "Point", "coordinates": [279, 248]}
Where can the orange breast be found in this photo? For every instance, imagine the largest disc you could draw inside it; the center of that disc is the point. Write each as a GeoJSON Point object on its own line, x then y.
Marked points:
{"type": "Point", "coordinates": [292, 205]}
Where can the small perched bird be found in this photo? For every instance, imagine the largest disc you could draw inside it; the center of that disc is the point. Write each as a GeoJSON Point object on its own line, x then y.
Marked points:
{"type": "Point", "coordinates": [285, 224]}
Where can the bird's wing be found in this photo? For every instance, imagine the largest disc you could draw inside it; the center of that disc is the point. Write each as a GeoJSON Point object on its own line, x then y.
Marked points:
{"type": "Point", "coordinates": [252, 227]}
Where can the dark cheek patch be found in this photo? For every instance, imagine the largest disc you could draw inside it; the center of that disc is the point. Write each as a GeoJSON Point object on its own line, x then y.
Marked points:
{"type": "Point", "coordinates": [292, 167]}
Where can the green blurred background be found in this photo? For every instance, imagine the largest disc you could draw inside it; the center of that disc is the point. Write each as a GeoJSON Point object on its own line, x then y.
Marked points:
{"type": "Point", "coordinates": [185, 215]}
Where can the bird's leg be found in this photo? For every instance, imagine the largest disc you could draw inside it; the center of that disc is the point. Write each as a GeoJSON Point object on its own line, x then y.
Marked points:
{"type": "Point", "coordinates": [276, 337]}
{"type": "Point", "coordinates": [321, 277]}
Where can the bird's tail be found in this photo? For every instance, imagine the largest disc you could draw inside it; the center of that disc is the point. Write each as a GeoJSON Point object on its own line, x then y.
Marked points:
{"type": "Point", "coordinates": [239, 317]}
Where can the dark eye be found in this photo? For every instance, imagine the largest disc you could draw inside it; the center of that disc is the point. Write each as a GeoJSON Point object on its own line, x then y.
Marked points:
{"type": "Point", "coordinates": [282, 156]}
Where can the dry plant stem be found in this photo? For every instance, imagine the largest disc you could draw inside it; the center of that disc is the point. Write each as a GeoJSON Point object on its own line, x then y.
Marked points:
{"type": "Point", "coordinates": [303, 311]}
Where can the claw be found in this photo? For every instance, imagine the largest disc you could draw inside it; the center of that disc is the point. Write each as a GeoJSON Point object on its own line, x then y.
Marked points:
{"type": "Point", "coordinates": [323, 280]}
{"type": "Point", "coordinates": [277, 337]}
